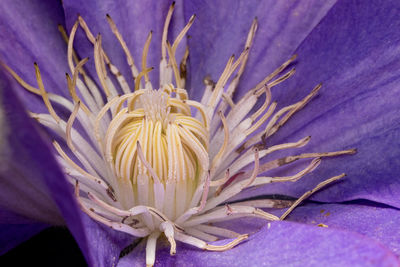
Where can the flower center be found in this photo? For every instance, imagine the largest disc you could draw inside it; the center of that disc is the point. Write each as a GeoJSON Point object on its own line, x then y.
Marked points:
{"type": "Point", "coordinates": [156, 144]}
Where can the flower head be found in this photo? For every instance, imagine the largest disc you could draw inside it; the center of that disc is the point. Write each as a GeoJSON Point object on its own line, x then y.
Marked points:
{"type": "Point", "coordinates": [148, 160]}
{"type": "Point", "coordinates": [152, 164]}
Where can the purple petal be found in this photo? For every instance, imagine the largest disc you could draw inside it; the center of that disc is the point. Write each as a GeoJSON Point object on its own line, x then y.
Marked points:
{"type": "Point", "coordinates": [15, 229]}
{"type": "Point", "coordinates": [282, 244]}
{"type": "Point", "coordinates": [379, 223]}
{"type": "Point", "coordinates": [31, 182]}
{"type": "Point", "coordinates": [357, 107]}
{"type": "Point", "coordinates": [104, 244]}
{"type": "Point", "coordinates": [221, 30]}
{"type": "Point", "coordinates": [134, 21]}
{"type": "Point", "coordinates": [29, 34]}
{"type": "Point", "coordinates": [25, 164]}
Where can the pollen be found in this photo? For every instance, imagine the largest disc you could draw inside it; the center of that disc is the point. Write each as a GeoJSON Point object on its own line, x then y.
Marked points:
{"type": "Point", "coordinates": [152, 163]}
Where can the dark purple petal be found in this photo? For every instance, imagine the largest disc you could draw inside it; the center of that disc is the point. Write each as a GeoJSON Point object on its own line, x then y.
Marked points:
{"type": "Point", "coordinates": [377, 222]}
{"type": "Point", "coordinates": [31, 183]}
{"type": "Point", "coordinates": [28, 33]}
{"type": "Point", "coordinates": [282, 244]}
{"type": "Point", "coordinates": [104, 244]}
{"type": "Point", "coordinates": [353, 52]}
{"type": "Point", "coordinates": [221, 30]}
{"type": "Point", "coordinates": [25, 164]}
{"type": "Point", "coordinates": [134, 20]}
{"type": "Point", "coordinates": [15, 229]}
{"type": "Point", "coordinates": [12, 235]}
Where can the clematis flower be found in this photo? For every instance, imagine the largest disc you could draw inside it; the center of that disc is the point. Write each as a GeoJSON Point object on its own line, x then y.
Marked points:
{"type": "Point", "coordinates": [331, 48]}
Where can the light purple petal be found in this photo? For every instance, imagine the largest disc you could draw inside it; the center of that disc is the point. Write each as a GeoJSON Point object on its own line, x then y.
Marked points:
{"type": "Point", "coordinates": [134, 20]}
{"type": "Point", "coordinates": [283, 244]}
{"type": "Point", "coordinates": [28, 33]}
{"type": "Point", "coordinates": [377, 222]}
{"type": "Point", "coordinates": [221, 30]}
{"type": "Point", "coordinates": [354, 53]}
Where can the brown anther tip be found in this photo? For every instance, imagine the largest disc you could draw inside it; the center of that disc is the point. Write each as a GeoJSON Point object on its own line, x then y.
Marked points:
{"type": "Point", "coordinates": [293, 57]}
{"type": "Point", "coordinates": [354, 150]}
{"type": "Point", "coordinates": [173, 4]}
{"type": "Point", "coordinates": [108, 16]}
{"type": "Point", "coordinates": [35, 63]}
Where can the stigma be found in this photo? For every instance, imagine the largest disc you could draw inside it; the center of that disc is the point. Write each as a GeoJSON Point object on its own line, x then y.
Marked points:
{"type": "Point", "coordinates": [152, 163]}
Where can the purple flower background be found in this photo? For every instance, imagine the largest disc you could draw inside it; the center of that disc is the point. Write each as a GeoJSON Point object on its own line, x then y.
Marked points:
{"type": "Point", "coordinates": [352, 47]}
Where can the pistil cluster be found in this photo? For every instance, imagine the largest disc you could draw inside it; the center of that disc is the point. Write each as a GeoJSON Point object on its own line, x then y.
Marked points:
{"type": "Point", "coordinates": [155, 163]}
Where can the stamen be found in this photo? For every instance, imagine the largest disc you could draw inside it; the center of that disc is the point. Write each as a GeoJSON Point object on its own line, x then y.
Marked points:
{"type": "Point", "coordinates": [309, 193]}
{"type": "Point", "coordinates": [72, 85]}
{"type": "Point", "coordinates": [182, 34]}
{"type": "Point", "coordinates": [298, 106]}
{"type": "Point", "coordinates": [128, 54]}
{"type": "Point", "coordinates": [217, 231]}
{"type": "Point", "coordinates": [182, 67]}
{"type": "Point", "coordinates": [44, 95]}
{"type": "Point", "coordinates": [144, 57]}
{"type": "Point", "coordinates": [99, 63]}
{"type": "Point", "coordinates": [222, 150]}
{"type": "Point", "coordinates": [256, 168]}
{"type": "Point", "coordinates": [151, 248]}
{"type": "Point", "coordinates": [69, 125]}
{"type": "Point", "coordinates": [172, 62]}
{"type": "Point", "coordinates": [139, 77]}
{"type": "Point", "coordinates": [70, 49]}
{"type": "Point", "coordinates": [283, 78]}
{"type": "Point", "coordinates": [25, 85]}
{"type": "Point", "coordinates": [205, 193]}
{"type": "Point", "coordinates": [228, 245]}
{"type": "Point", "coordinates": [165, 31]}
{"type": "Point", "coordinates": [168, 230]}
{"type": "Point", "coordinates": [65, 37]}
{"type": "Point", "coordinates": [275, 72]}
{"type": "Point", "coordinates": [146, 164]}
